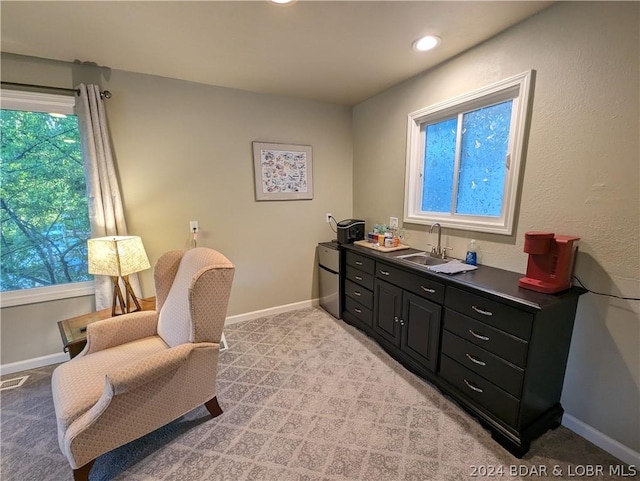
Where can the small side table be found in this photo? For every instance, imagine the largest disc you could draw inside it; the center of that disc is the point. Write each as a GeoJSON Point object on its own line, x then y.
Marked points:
{"type": "Point", "coordinates": [74, 331]}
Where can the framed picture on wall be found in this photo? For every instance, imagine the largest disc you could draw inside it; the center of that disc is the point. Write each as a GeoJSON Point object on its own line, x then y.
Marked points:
{"type": "Point", "coordinates": [283, 171]}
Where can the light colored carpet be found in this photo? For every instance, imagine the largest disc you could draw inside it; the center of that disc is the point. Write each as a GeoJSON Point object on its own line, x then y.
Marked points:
{"type": "Point", "coordinates": [306, 398]}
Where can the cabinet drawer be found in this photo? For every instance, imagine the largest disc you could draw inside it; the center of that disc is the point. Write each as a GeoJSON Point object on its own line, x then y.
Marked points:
{"type": "Point", "coordinates": [497, 314]}
{"type": "Point", "coordinates": [359, 294]}
{"type": "Point", "coordinates": [500, 343]}
{"type": "Point", "coordinates": [495, 400]}
{"type": "Point", "coordinates": [357, 310]}
{"type": "Point", "coordinates": [359, 277]}
{"type": "Point", "coordinates": [489, 366]}
{"type": "Point", "coordinates": [415, 283]}
{"type": "Point", "coordinates": [363, 263]}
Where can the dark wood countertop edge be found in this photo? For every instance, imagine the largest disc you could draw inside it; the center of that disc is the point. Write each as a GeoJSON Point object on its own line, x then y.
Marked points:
{"type": "Point", "coordinates": [530, 300]}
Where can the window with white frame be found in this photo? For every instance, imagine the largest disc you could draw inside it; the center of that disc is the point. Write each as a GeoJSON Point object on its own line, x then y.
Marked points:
{"type": "Point", "coordinates": [44, 212]}
{"type": "Point", "coordinates": [464, 157]}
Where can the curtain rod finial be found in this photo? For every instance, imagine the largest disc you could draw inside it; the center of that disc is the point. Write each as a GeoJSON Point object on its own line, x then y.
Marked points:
{"type": "Point", "coordinates": [106, 94]}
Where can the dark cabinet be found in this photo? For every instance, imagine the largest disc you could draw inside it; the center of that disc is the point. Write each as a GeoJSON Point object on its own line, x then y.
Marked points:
{"type": "Point", "coordinates": [421, 330]}
{"type": "Point", "coordinates": [507, 362]}
{"type": "Point", "coordinates": [409, 322]}
{"type": "Point", "coordinates": [500, 351]}
{"type": "Point", "coordinates": [387, 311]}
{"type": "Point", "coordinates": [358, 291]}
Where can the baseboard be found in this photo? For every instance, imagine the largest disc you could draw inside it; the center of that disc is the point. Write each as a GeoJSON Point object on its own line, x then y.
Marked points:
{"type": "Point", "coordinates": [33, 363]}
{"type": "Point", "coordinates": [613, 447]}
{"type": "Point", "coordinates": [62, 357]}
{"type": "Point", "coordinates": [271, 311]}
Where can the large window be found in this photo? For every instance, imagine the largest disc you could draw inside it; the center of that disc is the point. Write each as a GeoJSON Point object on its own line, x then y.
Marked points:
{"type": "Point", "coordinates": [44, 213]}
{"type": "Point", "coordinates": [464, 157]}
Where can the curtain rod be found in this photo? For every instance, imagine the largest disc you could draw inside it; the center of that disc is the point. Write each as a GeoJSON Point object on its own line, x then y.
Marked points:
{"type": "Point", "coordinates": [105, 95]}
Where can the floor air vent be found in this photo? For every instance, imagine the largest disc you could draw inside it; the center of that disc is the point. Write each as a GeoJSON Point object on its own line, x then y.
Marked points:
{"type": "Point", "coordinates": [12, 383]}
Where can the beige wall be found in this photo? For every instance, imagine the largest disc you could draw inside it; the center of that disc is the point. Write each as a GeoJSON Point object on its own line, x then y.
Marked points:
{"type": "Point", "coordinates": [581, 177]}
{"type": "Point", "coordinates": [183, 152]}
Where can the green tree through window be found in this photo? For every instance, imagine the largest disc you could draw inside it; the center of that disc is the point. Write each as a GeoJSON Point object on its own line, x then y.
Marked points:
{"type": "Point", "coordinates": [44, 213]}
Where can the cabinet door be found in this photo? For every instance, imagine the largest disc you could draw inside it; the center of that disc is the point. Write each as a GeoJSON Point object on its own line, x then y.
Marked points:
{"type": "Point", "coordinates": [387, 311]}
{"type": "Point", "coordinates": [421, 330]}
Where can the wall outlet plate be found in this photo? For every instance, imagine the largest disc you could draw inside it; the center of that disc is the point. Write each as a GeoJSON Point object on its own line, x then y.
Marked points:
{"type": "Point", "coordinates": [393, 222]}
{"type": "Point", "coordinates": [193, 226]}
{"type": "Point", "coordinates": [328, 217]}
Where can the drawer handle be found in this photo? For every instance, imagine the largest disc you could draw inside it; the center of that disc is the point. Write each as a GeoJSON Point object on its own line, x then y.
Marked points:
{"type": "Point", "coordinates": [358, 278]}
{"type": "Point", "coordinates": [480, 311]}
{"type": "Point", "coordinates": [358, 263]}
{"type": "Point", "coordinates": [478, 336]}
{"type": "Point", "coordinates": [477, 361]}
{"type": "Point", "coordinates": [384, 273]}
{"type": "Point", "coordinates": [471, 386]}
{"type": "Point", "coordinates": [395, 319]}
{"type": "Point", "coordinates": [357, 293]}
{"type": "Point", "coordinates": [426, 289]}
{"type": "Point", "coordinates": [359, 311]}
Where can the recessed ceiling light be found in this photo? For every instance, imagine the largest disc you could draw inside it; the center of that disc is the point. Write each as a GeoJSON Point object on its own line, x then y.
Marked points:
{"type": "Point", "coordinates": [283, 2]}
{"type": "Point", "coordinates": [426, 43]}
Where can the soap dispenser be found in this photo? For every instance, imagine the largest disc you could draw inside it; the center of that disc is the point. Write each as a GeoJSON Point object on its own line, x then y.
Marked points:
{"type": "Point", "coordinates": [472, 253]}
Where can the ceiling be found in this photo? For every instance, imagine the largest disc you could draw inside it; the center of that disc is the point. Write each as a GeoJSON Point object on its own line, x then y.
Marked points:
{"type": "Point", "coordinates": [333, 51]}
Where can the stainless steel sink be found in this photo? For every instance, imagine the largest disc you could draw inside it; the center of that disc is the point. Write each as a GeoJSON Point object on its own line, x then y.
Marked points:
{"type": "Point", "coordinates": [423, 259]}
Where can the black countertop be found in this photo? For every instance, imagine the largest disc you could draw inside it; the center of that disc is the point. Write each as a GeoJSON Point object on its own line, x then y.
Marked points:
{"type": "Point", "coordinates": [498, 283]}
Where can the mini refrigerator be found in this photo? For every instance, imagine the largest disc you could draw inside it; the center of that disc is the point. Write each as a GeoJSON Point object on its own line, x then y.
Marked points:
{"type": "Point", "coordinates": [329, 278]}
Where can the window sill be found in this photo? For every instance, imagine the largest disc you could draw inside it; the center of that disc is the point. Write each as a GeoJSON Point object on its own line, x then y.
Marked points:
{"type": "Point", "coordinates": [43, 294]}
{"type": "Point", "coordinates": [499, 226]}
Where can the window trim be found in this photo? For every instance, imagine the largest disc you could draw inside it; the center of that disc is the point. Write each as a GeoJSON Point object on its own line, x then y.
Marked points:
{"type": "Point", "coordinates": [48, 103]}
{"type": "Point", "coordinates": [48, 293]}
{"type": "Point", "coordinates": [517, 88]}
{"type": "Point", "coordinates": [37, 102]}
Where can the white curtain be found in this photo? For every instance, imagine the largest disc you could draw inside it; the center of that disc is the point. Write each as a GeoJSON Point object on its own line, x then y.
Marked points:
{"type": "Point", "coordinates": [106, 214]}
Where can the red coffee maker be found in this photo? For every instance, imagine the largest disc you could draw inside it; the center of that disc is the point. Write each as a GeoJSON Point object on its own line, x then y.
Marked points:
{"type": "Point", "coordinates": [550, 264]}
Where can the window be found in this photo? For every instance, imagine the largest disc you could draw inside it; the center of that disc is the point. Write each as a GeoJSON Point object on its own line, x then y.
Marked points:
{"type": "Point", "coordinates": [44, 211]}
{"type": "Point", "coordinates": [464, 157]}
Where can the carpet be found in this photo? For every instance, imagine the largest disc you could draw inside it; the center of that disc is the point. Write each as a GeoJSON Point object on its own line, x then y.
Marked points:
{"type": "Point", "coordinates": [306, 397]}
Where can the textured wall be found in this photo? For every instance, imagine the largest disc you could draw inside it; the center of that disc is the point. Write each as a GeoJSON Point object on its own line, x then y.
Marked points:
{"type": "Point", "coordinates": [581, 177]}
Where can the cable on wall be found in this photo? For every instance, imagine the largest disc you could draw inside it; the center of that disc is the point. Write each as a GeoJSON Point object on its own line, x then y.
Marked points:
{"type": "Point", "coordinates": [331, 218]}
{"type": "Point", "coordinates": [604, 294]}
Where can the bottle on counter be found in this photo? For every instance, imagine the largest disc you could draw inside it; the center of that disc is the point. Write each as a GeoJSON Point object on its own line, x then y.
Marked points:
{"type": "Point", "coordinates": [472, 253]}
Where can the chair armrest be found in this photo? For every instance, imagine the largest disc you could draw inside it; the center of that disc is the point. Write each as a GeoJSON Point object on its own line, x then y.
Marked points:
{"type": "Point", "coordinates": [151, 368]}
{"type": "Point", "coordinates": [143, 396]}
{"type": "Point", "coordinates": [120, 330]}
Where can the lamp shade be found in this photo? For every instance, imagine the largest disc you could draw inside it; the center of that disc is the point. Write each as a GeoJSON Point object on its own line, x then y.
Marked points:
{"type": "Point", "coordinates": [117, 255]}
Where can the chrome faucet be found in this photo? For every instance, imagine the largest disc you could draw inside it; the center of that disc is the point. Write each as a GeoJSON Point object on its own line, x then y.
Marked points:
{"type": "Point", "coordinates": [438, 250]}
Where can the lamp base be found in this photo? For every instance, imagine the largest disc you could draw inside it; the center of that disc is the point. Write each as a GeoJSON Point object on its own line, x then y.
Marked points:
{"type": "Point", "coordinates": [125, 301]}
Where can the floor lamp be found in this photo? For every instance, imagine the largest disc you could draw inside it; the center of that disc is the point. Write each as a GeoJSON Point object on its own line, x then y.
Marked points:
{"type": "Point", "coordinates": [118, 256]}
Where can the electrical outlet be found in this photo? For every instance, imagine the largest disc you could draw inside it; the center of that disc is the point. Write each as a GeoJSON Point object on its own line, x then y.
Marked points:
{"type": "Point", "coordinates": [328, 217]}
{"type": "Point", "coordinates": [393, 222]}
{"type": "Point", "coordinates": [193, 226]}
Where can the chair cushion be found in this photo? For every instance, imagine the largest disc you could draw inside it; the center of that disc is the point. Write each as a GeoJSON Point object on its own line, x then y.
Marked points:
{"type": "Point", "coordinates": [175, 324]}
{"type": "Point", "coordinates": [78, 384]}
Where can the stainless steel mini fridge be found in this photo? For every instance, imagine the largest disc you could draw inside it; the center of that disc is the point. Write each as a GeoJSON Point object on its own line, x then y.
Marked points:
{"type": "Point", "coordinates": [329, 282]}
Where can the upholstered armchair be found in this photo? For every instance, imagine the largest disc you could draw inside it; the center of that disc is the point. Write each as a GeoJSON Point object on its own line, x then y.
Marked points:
{"type": "Point", "coordinates": [142, 370]}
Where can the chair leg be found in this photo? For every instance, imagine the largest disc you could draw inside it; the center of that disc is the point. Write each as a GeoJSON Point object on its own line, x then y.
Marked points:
{"type": "Point", "coordinates": [213, 407]}
{"type": "Point", "coordinates": [82, 473]}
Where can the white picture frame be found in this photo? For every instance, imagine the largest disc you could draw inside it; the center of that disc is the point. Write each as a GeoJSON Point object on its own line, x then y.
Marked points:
{"type": "Point", "coordinates": [283, 171]}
